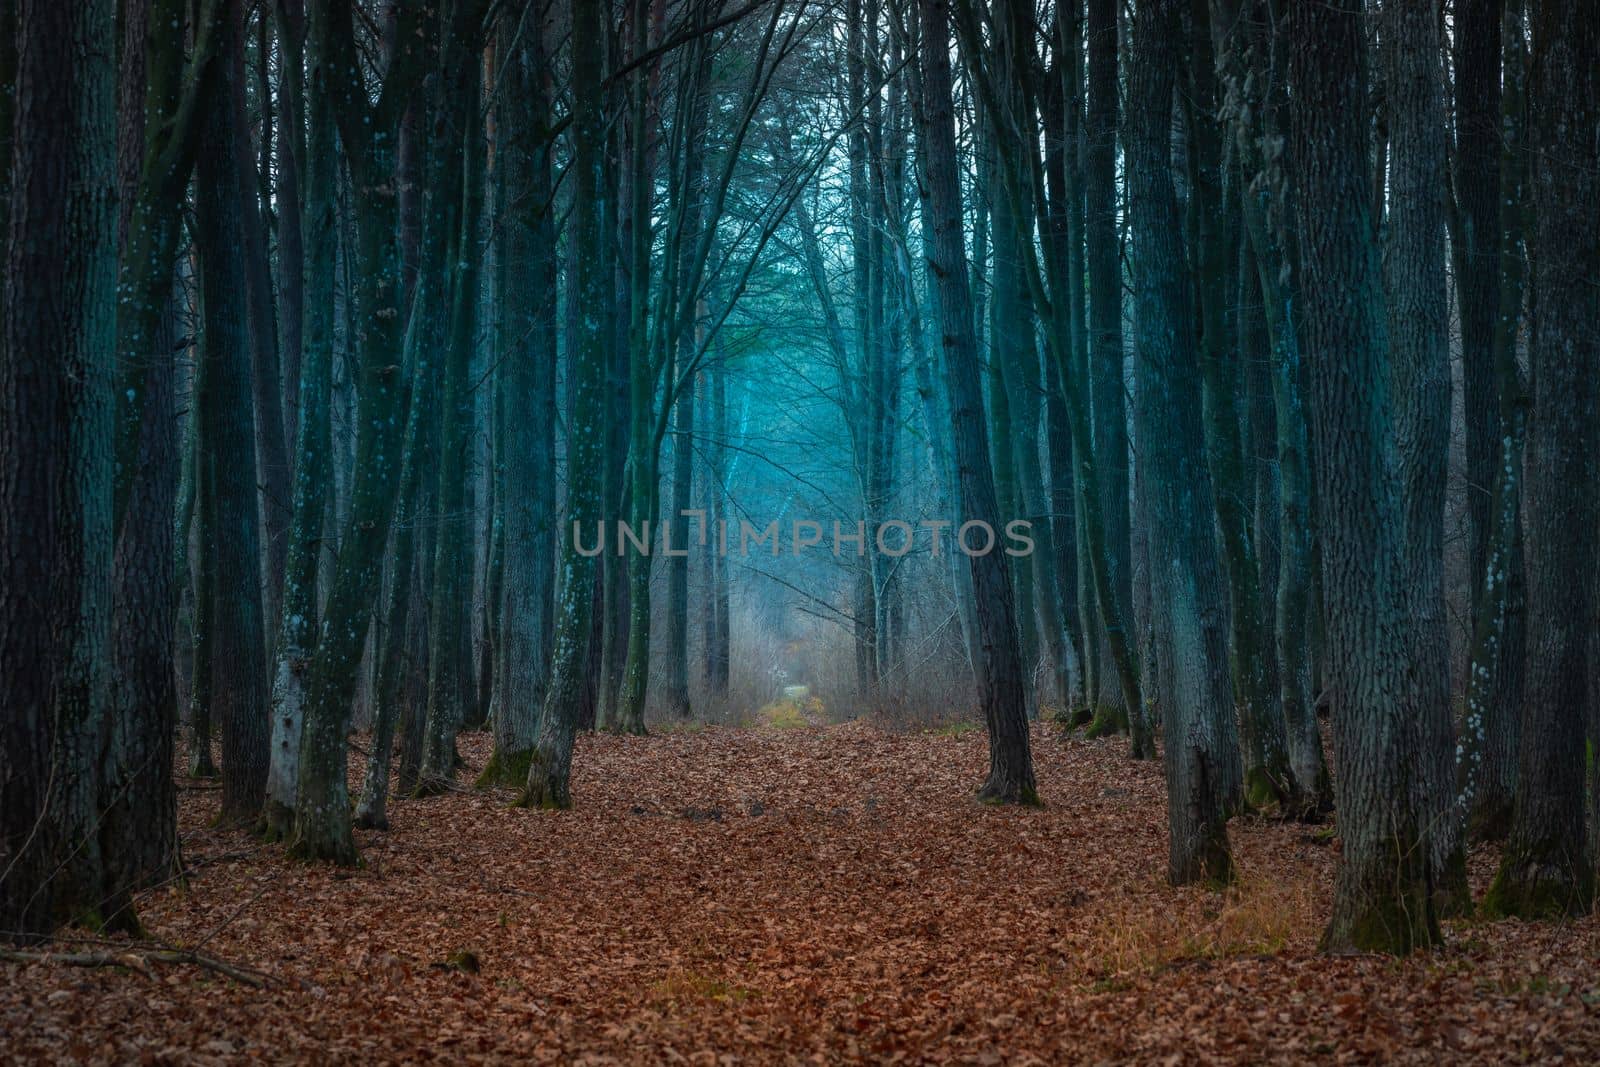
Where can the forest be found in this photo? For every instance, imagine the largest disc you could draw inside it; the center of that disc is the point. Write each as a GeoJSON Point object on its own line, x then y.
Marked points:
{"type": "Point", "coordinates": [999, 531]}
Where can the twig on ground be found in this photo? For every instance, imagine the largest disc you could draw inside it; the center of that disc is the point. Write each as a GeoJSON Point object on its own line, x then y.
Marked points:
{"type": "Point", "coordinates": [140, 960]}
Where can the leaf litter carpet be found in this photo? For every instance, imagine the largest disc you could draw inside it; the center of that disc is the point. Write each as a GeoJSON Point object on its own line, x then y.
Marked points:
{"type": "Point", "coordinates": [802, 895]}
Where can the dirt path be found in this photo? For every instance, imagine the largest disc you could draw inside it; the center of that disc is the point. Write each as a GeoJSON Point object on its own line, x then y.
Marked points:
{"type": "Point", "coordinates": [771, 895]}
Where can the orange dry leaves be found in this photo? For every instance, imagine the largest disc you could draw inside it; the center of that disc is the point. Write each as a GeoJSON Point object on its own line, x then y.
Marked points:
{"type": "Point", "coordinates": [817, 895]}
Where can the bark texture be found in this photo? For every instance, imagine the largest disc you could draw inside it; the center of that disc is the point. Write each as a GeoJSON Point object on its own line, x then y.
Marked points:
{"type": "Point", "coordinates": [1383, 899]}
{"type": "Point", "coordinates": [1546, 869]}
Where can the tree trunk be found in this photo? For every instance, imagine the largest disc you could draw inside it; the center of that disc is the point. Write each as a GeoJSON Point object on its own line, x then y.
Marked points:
{"type": "Point", "coordinates": [372, 809]}
{"type": "Point", "coordinates": [1491, 729]}
{"type": "Point", "coordinates": [527, 345]}
{"type": "Point", "coordinates": [643, 457]}
{"type": "Point", "coordinates": [717, 634]}
{"type": "Point", "coordinates": [57, 334]}
{"type": "Point", "coordinates": [1249, 64]}
{"type": "Point", "coordinates": [1107, 385]}
{"type": "Point", "coordinates": [240, 687]}
{"type": "Point", "coordinates": [1419, 374]}
{"type": "Point", "coordinates": [1546, 870]}
{"type": "Point", "coordinates": [318, 235]}
{"type": "Point", "coordinates": [458, 147]}
{"type": "Point", "coordinates": [1476, 174]}
{"type": "Point", "coordinates": [1269, 780]}
{"type": "Point", "coordinates": [266, 379]}
{"type": "Point", "coordinates": [677, 695]}
{"type": "Point", "coordinates": [1383, 898]}
{"type": "Point", "coordinates": [138, 832]}
{"type": "Point", "coordinates": [198, 537]}
{"type": "Point", "coordinates": [368, 133]}
{"type": "Point", "coordinates": [550, 769]}
{"type": "Point", "coordinates": [1005, 710]}
{"type": "Point", "coordinates": [1186, 581]}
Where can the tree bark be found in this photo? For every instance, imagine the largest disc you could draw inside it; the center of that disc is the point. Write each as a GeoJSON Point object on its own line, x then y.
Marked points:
{"type": "Point", "coordinates": [1107, 384]}
{"type": "Point", "coordinates": [57, 333]}
{"type": "Point", "coordinates": [1546, 870]}
{"type": "Point", "coordinates": [1190, 611]}
{"type": "Point", "coordinates": [1491, 729]}
{"type": "Point", "coordinates": [527, 347]}
{"type": "Point", "coordinates": [1269, 780]}
{"type": "Point", "coordinates": [368, 134]}
{"type": "Point", "coordinates": [1383, 899]}
{"type": "Point", "coordinates": [1005, 710]}
{"type": "Point", "coordinates": [458, 146]}
{"type": "Point", "coordinates": [1419, 374]}
{"type": "Point", "coordinates": [317, 235]}
{"type": "Point", "coordinates": [1476, 173]}
{"type": "Point", "coordinates": [240, 688]}
{"type": "Point", "coordinates": [550, 769]}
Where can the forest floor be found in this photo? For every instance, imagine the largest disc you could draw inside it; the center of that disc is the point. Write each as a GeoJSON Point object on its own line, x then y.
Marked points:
{"type": "Point", "coordinates": [722, 896]}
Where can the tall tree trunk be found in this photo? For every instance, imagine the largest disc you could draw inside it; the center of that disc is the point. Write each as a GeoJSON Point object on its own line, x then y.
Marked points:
{"type": "Point", "coordinates": [526, 285]}
{"type": "Point", "coordinates": [1004, 707]}
{"type": "Point", "coordinates": [855, 372]}
{"type": "Point", "coordinates": [1107, 386]}
{"type": "Point", "coordinates": [1546, 870]}
{"type": "Point", "coordinates": [677, 695]}
{"type": "Point", "coordinates": [138, 831]}
{"type": "Point", "coordinates": [266, 379]}
{"type": "Point", "coordinates": [1011, 326]}
{"type": "Point", "coordinates": [56, 439]}
{"type": "Point", "coordinates": [550, 769]}
{"type": "Point", "coordinates": [1419, 374]}
{"type": "Point", "coordinates": [1491, 729]}
{"type": "Point", "coordinates": [1064, 243]}
{"type": "Point", "coordinates": [1476, 174]}
{"type": "Point", "coordinates": [290, 194]}
{"type": "Point", "coordinates": [1015, 389]}
{"type": "Point", "coordinates": [369, 135]}
{"type": "Point", "coordinates": [317, 234]}
{"type": "Point", "coordinates": [197, 537]}
{"type": "Point", "coordinates": [1383, 898]}
{"type": "Point", "coordinates": [643, 457]}
{"type": "Point", "coordinates": [1186, 578]}
{"type": "Point", "coordinates": [1249, 65]}
{"type": "Point", "coordinates": [1214, 216]}
{"type": "Point", "coordinates": [372, 807]}
{"type": "Point", "coordinates": [450, 628]}
{"type": "Point", "coordinates": [240, 688]}
{"type": "Point", "coordinates": [717, 635]}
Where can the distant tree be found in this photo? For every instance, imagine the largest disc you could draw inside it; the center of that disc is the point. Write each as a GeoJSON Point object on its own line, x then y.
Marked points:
{"type": "Point", "coordinates": [456, 203]}
{"type": "Point", "coordinates": [225, 407]}
{"type": "Point", "coordinates": [1107, 385]}
{"type": "Point", "coordinates": [1491, 170]}
{"type": "Point", "coordinates": [687, 188]}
